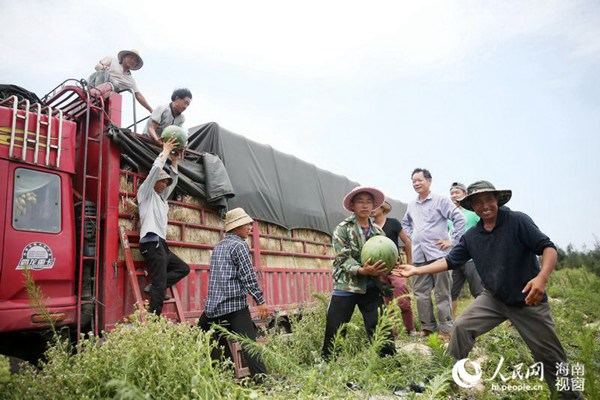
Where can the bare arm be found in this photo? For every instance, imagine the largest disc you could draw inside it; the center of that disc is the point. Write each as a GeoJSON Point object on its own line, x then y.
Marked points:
{"type": "Point", "coordinates": [407, 270]}
{"type": "Point", "coordinates": [140, 97]}
{"type": "Point", "coordinates": [152, 131]}
{"type": "Point", "coordinates": [537, 286]}
{"type": "Point", "coordinates": [407, 246]}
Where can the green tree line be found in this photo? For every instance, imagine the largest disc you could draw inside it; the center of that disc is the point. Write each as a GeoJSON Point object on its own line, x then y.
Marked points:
{"type": "Point", "coordinates": [585, 258]}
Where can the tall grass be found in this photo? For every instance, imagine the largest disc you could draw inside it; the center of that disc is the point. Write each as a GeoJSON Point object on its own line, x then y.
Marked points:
{"type": "Point", "coordinates": [161, 360]}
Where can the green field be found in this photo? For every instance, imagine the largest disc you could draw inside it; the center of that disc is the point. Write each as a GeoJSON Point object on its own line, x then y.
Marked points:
{"type": "Point", "coordinates": [161, 360]}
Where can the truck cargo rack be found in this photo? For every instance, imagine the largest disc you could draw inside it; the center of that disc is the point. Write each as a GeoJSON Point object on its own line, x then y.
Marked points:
{"type": "Point", "coordinates": [23, 110]}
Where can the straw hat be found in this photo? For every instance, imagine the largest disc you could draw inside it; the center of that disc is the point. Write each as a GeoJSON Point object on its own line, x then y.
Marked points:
{"type": "Point", "coordinates": [165, 175]}
{"type": "Point", "coordinates": [482, 187]}
{"type": "Point", "coordinates": [386, 207]}
{"type": "Point", "coordinates": [235, 218]}
{"type": "Point", "coordinates": [123, 53]}
{"type": "Point", "coordinates": [378, 196]}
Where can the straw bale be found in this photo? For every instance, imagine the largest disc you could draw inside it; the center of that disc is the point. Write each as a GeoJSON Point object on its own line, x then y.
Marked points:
{"type": "Point", "coordinates": [213, 219]}
{"type": "Point", "coordinates": [128, 205]}
{"type": "Point", "coordinates": [194, 235]}
{"type": "Point", "coordinates": [135, 253]}
{"type": "Point", "coordinates": [288, 246]}
{"type": "Point", "coordinates": [276, 261]}
{"type": "Point", "coordinates": [126, 184]}
{"type": "Point", "coordinates": [184, 214]}
{"type": "Point", "coordinates": [192, 256]}
{"type": "Point", "coordinates": [318, 249]}
{"type": "Point", "coordinates": [173, 232]}
{"type": "Point", "coordinates": [128, 223]}
{"type": "Point", "coordinates": [270, 244]}
{"type": "Point", "coordinates": [298, 247]}
{"type": "Point", "coordinates": [196, 201]}
{"type": "Point", "coordinates": [312, 235]}
{"type": "Point", "coordinates": [267, 228]}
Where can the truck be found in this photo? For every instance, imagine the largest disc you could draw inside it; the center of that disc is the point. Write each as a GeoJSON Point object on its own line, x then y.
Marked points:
{"type": "Point", "coordinates": [68, 173]}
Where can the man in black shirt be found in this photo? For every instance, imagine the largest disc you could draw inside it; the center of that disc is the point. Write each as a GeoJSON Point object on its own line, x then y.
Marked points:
{"type": "Point", "coordinates": [393, 230]}
{"type": "Point", "coordinates": [504, 246]}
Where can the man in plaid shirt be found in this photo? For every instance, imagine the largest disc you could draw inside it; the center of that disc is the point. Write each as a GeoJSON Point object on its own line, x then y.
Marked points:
{"type": "Point", "coordinates": [232, 278]}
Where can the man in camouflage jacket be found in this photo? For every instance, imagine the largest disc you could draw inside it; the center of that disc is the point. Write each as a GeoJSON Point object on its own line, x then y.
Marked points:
{"type": "Point", "coordinates": [356, 283]}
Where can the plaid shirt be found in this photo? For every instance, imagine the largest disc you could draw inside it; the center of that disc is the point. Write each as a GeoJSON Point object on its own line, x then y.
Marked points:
{"type": "Point", "coordinates": [232, 277]}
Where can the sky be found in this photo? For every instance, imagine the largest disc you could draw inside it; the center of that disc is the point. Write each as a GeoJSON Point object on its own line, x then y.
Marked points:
{"type": "Point", "coordinates": [506, 91]}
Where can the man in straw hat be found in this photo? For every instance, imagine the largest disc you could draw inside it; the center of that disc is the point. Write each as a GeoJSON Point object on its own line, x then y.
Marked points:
{"type": "Point", "coordinates": [356, 281]}
{"type": "Point", "coordinates": [466, 272]}
{"type": "Point", "coordinates": [393, 230]}
{"type": "Point", "coordinates": [232, 278]}
{"type": "Point", "coordinates": [504, 245]}
{"type": "Point", "coordinates": [426, 223]}
{"type": "Point", "coordinates": [165, 267]}
{"type": "Point", "coordinates": [114, 75]}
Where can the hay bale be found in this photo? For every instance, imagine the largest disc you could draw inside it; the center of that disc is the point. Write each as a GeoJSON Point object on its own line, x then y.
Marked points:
{"type": "Point", "coordinates": [288, 246]}
{"type": "Point", "coordinates": [129, 224]}
{"type": "Point", "coordinates": [126, 183]}
{"type": "Point", "coordinates": [195, 235]}
{"type": "Point", "coordinates": [318, 249]}
{"type": "Point", "coordinates": [213, 219]}
{"type": "Point", "coordinates": [184, 214]}
{"type": "Point", "coordinates": [269, 244]}
{"type": "Point", "coordinates": [267, 228]}
{"type": "Point", "coordinates": [195, 201]}
{"type": "Point", "coordinates": [277, 261]}
{"type": "Point", "coordinates": [174, 232]}
{"type": "Point", "coordinates": [298, 247]}
{"type": "Point", "coordinates": [304, 234]}
{"type": "Point", "coordinates": [192, 256]}
{"type": "Point", "coordinates": [135, 254]}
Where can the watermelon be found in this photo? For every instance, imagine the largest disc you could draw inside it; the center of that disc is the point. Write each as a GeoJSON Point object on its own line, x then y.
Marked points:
{"type": "Point", "coordinates": [178, 132]}
{"type": "Point", "coordinates": [380, 248]}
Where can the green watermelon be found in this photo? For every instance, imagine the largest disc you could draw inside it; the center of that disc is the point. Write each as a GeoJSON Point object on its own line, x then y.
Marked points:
{"type": "Point", "coordinates": [178, 132]}
{"type": "Point", "coordinates": [380, 248]}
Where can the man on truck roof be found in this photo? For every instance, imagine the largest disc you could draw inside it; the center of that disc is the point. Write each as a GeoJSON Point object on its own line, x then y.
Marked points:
{"type": "Point", "coordinates": [165, 267]}
{"type": "Point", "coordinates": [114, 74]}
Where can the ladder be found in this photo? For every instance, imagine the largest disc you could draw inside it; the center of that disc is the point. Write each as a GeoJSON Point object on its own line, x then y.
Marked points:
{"type": "Point", "coordinates": [23, 110]}
{"type": "Point", "coordinates": [77, 103]}
{"type": "Point", "coordinates": [134, 273]}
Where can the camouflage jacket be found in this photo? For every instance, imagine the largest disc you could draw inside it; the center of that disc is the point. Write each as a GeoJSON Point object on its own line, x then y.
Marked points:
{"type": "Point", "coordinates": [348, 240]}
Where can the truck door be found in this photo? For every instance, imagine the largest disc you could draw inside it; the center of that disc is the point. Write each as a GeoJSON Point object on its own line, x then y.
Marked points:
{"type": "Point", "coordinates": [3, 205]}
{"type": "Point", "coordinates": [38, 235]}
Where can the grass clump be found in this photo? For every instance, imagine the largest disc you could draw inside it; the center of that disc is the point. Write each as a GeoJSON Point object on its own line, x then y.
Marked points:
{"type": "Point", "coordinates": [156, 359]}
{"type": "Point", "coordinates": [161, 360]}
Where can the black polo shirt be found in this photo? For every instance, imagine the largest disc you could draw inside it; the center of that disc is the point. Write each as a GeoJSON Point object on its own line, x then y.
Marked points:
{"type": "Point", "coordinates": [505, 257]}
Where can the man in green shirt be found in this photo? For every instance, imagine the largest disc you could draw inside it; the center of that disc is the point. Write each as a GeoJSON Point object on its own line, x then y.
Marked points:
{"type": "Point", "coordinates": [466, 272]}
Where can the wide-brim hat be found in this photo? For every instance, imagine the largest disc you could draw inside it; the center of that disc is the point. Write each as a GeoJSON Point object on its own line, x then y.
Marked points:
{"type": "Point", "coordinates": [483, 187]}
{"type": "Point", "coordinates": [165, 175]}
{"type": "Point", "coordinates": [386, 207]}
{"type": "Point", "coordinates": [378, 196]}
{"type": "Point", "coordinates": [134, 53]}
{"type": "Point", "coordinates": [235, 218]}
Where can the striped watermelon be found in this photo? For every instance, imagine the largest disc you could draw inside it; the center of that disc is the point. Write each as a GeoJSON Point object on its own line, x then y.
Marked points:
{"type": "Point", "coordinates": [380, 248]}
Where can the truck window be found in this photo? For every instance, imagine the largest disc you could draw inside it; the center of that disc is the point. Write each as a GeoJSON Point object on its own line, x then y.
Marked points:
{"type": "Point", "coordinates": [36, 201]}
